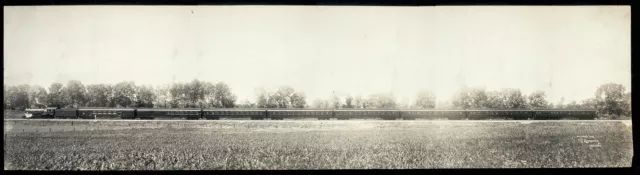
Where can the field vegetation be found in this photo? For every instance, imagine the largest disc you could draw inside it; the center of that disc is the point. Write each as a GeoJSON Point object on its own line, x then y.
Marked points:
{"type": "Point", "coordinates": [322, 145]}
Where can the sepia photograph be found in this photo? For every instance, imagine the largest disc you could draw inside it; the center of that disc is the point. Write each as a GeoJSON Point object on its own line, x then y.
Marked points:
{"type": "Point", "coordinates": [253, 87]}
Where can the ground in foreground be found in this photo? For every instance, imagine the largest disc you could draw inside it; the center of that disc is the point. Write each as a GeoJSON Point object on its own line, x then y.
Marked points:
{"type": "Point", "coordinates": [386, 145]}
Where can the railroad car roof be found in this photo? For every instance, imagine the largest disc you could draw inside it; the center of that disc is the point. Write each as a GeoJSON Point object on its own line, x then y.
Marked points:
{"type": "Point", "coordinates": [564, 109]}
{"type": "Point", "coordinates": [432, 109]}
{"type": "Point", "coordinates": [106, 109]}
{"type": "Point", "coordinates": [498, 109]}
{"type": "Point", "coordinates": [367, 110]}
{"type": "Point", "coordinates": [234, 109]}
{"type": "Point", "coordinates": [299, 109]}
{"type": "Point", "coordinates": [168, 109]}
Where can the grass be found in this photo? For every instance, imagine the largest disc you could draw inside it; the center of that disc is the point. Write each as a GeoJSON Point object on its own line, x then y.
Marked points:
{"type": "Point", "coordinates": [322, 145]}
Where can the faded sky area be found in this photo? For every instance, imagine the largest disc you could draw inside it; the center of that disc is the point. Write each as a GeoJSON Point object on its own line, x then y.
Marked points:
{"type": "Point", "coordinates": [565, 51]}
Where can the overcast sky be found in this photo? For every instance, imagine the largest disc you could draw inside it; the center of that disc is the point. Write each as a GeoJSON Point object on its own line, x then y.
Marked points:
{"type": "Point", "coordinates": [565, 51]}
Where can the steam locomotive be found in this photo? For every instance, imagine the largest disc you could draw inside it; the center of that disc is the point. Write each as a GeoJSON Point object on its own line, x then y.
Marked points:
{"type": "Point", "coordinates": [320, 114]}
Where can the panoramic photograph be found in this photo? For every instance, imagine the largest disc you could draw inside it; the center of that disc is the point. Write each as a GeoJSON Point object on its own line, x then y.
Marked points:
{"type": "Point", "coordinates": [316, 87]}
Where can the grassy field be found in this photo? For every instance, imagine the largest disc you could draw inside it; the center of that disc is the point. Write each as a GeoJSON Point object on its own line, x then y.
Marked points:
{"type": "Point", "coordinates": [162, 145]}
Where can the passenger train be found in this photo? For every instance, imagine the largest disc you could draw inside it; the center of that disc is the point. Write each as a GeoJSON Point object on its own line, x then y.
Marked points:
{"type": "Point", "coordinates": [320, 114]}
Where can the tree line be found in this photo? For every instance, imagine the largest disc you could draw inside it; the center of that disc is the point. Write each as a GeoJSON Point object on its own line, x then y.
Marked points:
{"type": "Point", "coordinates": [609, 99]}
{"type": "Point", "coordinates": [195, 94]}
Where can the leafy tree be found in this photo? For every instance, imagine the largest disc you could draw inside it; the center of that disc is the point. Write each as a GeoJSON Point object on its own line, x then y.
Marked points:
{"type": "Point", "coordinates": [359, 102]}
{"type": "Point", "coordinates": [627, 104]}
{"type": "Point", "coordinates": [263, 98]}
{"type": "Point", "coordinates": [443, 105]}
{"type": "Point", "coordinates": [99, 95]}
{"type": "Point", "coordinates": [266, 99]}
{"type": "Point", "coordinates": [246, 104]}
{"type": "Point", "coordinates": [514, 99]}
{"type": "Point", "coordinates": [163, 97]}
{"type": "Point", "coordinates": [124, 94]}
{"type": "Point", "coordinates": [37, 97]}
{"type": "Point", "coordinates": [298, 100]}
{"type": "Point", "coordinates": [348, 102]}
{"type": "Point", "coordinates": [194, 93]}
{"type": "Point", "coordinates": [478, 97]}
{"type": "Point", "coordinates": [382, 100]}
{"type": "Point", "coordinates": [178, 95]}
{"type": "Point", "coordinates": [321, 104]}
{"type": "Point", "coordinates": [210, 95]}
{"type": "Point", "coordinates": [224, 95]}
{"type": "Point", "coordinates": [55, 96]}
{"type": "Point", "coordinates": [550, 105]}
{"type": "Point", "coordinates": [591, 103]}
{"type": "Point", "coordinates": [18, 96]}
{"type": "Point", "coordinates": [611, 98]}
{"type": "Point", "coordinates": [425, 99]}
{"type": "Point", "coordinates": [537, 99]}
{"type": "Point", "coordinates": [282, 97]}
{"type": "Point", "coordinates": [495, 100]}
{"type": "Point", "coordinates": [335, 101]}
{"type": "Point", "coordinates": [572, 105]}
{"type": "Point", "coordinates": [75, 93]}
{"type": "Point", "coordinates": [462, 98]}
{"type": "Point", "coordinates": [145, 97]}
